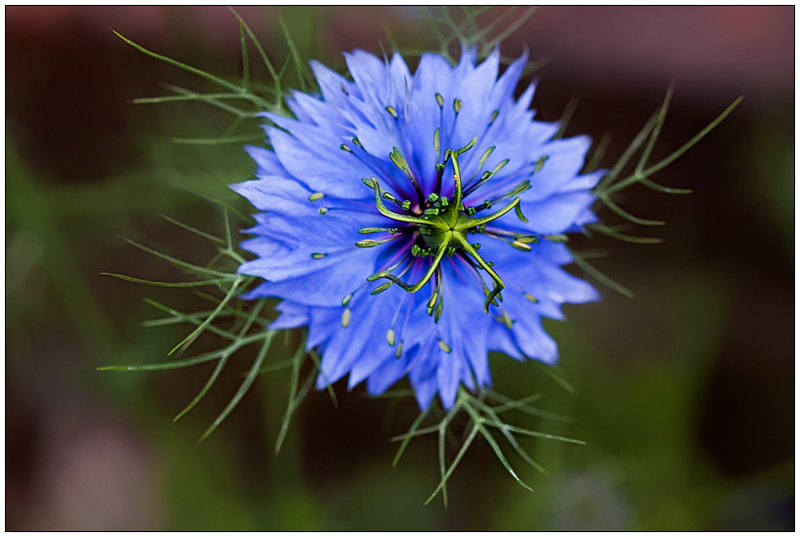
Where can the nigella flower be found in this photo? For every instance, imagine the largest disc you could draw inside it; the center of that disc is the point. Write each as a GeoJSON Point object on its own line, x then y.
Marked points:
{"type": "Point", "coordinates": [413, 222]}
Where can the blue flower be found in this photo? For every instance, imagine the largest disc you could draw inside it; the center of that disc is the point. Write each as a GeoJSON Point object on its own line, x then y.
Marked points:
{"type": "Point", "coordinates": [374, 198]}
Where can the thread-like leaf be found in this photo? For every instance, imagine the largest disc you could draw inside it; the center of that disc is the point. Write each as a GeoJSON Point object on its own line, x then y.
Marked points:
{"type": "Point", "coordinates": [599, 276]}
{"type": "Point", "coordinates": [248, 381]}
{"type": "Point", "coordinates": [409, 435]}
{"type": "Point", "coordinates": [165, 284]}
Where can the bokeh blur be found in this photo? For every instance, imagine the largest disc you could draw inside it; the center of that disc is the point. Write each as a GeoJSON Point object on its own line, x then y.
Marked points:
{"type": "Point", "coordinates": [685, 392]}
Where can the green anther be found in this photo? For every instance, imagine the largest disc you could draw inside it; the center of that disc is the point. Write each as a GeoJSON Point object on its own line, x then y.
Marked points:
{"type": "Point", "coordinates": [451, 251]}
{"type": "Point", "coordinates": [482, 228]}
{"type": "Point", "coordinates": [316, 196]}
{"type": "Point", "coordinates": [487, 204]}
{"type": "Point", "coordinates": [494, 116]}
{"type": "Point", "coordinates": [531, 298]}
{"type": "Point", "coordinates": [346, 318]}
{"type": "Point", "coordinates": [432, 299]}
{"type": "Point", "coordinates": [485, 177]}
{"type": "Point", "coordinates": [539, 164]}
{"type": "Point", "coordinates": [323, 210]}
{"type": "Point", "coordinates": [405, 205]}
{"type": "Point", "coordinates": [520, 246]}
{"type": "Point", "coordinates": [367, 181]}
{"type": "Point", "coordinates": [346, 300]}
{"type": "Point", "coordinates": [392, 111]}
{"type": "Point", "coordinates": [381, 288]}
{"type": "Point", "coordinates": [485, 157]}
{"type": "Point", "coordinates": [390, 197]}
{"type": "Point", "coordinates": [432, 197]}
{"type": "Point", "coordinates": [433, 211]}
{"type": "Point", "coordinates": [447, 154]}
{"type": "Point", "coordinates": [368, 230]}
{"type": "Point", "coordinates": [416, 251]}
{"type": "Point", "coordinates": [505, 319]}
{"type": "Point", "coordinates": [457, 105]}
{"type": "Point", "coordinates": [436, 143]}
{"type": "Point", "coordinates": [444, 202]}
{"type": "Point", "coordinates": [471, 211]}
{"type": "Point", "coordinates": [559, 238]}
{"type": "Point", "coordinates": [344, 147]}
{"type": "Point", "coordinates": [438, 314]}
{"type": "Point", "coordinates": [390, 337]}
{"type": "Point", "coordinates": [500, 166]}
{"type": "Point", "coordinates": [521, 216]}
{"type": "Point", "coordinates": [357, 142]}
{"type": "Point", "coordinates": [399, 350]}
{"type": "Point", "coordinates": [318, 256]}
{"type": "Point", "coordinates": [477, 246]}
{"type": "Point", "coordinates": [444, 346]}
{"type": "Point", "coordinates": [519, 189]}
{"type": "Point", "coordinates": [368, 243]}
{"type": "Point", "coordinates": [526, 239]}
{"type": "Point", "coordinates": [440, 99]}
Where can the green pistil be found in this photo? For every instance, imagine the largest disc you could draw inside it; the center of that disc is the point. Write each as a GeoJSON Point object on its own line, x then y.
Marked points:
{"type": "Point", "coordinates": [443, 226]}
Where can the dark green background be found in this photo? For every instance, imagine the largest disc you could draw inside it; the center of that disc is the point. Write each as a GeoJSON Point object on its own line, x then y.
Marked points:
{"type": "Point", "coordinates": [686, 392]}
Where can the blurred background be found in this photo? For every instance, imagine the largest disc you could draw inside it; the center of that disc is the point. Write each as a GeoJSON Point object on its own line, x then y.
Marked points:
{"type": "Point", "coordinates": [685, 392]}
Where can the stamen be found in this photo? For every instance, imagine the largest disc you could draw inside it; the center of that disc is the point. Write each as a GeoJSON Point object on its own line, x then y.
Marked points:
{"type": "Point", "coordinates": [539, 164]}
{"type": "Point", "coordinates": [500, 166]}
{"type": "Point", "coordinates": [444, 346]}
{"type": "Point", "coordinates": [381, 288]}
{"type": "Point", "coordinates": [399, 160]}
{"type": "Point", "coordinates": [323, 210]}
{"type": "Point", "coordinates": [558, 238]}
{"type": "Point", "coordinates": [368, 230]}
{"type": "Point", "coordinates": [370, 243]}
{"type": "Point", "coordinates": [457, 105]}
{"type": "Point", "coordinates": [318, 256]}
{"type": "Point", "coordinates": [346, 318]}
{"type": "Point", "coordinates": [344, 147]}
{"type": "Point", "coordinates": [518, 211]}
{"type": "Point", "coordinates": [390, 337]}
{"type": "Point", "coordinates": [505, 319]}
{"type": "Point", "coordinates": [346, 300]}
{"type": "Point", "coordinates": [440, 99]}
{"type": "Point", "coordinates": [484, 158]}
{"type": "Point", "coordinates": [531, 298]}
{"type": "Point", "coordinates": [392, 111]}
{"type": "Point", "coordinates": [316, 196]}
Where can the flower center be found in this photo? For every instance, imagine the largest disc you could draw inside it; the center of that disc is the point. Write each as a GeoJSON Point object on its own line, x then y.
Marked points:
{"type": "Point", "coordinates": [441, 226]}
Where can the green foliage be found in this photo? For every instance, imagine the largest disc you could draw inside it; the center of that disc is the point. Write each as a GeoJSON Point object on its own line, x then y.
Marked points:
{"type": "Point", "coordinates": [249, 327]}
